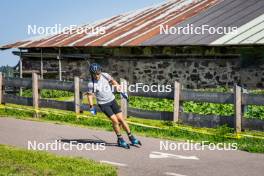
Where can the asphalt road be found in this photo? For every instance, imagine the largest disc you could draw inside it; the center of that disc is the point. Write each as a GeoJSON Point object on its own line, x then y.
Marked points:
{"type": "Point", "coordinates": [148, 160]}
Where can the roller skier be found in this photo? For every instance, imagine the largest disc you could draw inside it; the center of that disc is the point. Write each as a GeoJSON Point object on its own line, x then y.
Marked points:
{"type": "Point", "coordinates": [100, 87]}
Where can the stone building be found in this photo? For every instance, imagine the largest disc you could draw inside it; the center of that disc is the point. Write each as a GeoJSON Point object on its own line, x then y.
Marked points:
{"type": "Point", "coordinates": [134, 46]}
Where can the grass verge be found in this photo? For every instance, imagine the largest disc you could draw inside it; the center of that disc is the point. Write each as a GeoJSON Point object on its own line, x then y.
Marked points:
{"type": "Point", "coordinates": [15, 161]}
{"type": "Point", "coordinates": [248, 141]}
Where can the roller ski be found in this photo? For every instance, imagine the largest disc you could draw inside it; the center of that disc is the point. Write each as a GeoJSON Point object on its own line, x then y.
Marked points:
{"type": "Point", "coordinates": [122, 143]}
{"type": "Point", "coordinates": [134, 141]}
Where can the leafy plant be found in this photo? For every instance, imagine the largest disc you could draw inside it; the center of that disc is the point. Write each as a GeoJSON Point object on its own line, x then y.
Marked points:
{"type": "Point", "coordinates": [46, 93]}
{"type": "Point", "coordinates": [201, 108]}
{"type": "Point", "coordinates": [209, 108]}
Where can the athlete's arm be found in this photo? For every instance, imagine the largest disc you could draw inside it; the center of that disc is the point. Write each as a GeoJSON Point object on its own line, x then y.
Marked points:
{"type": "Point", "coordinates": [115, 84]}
{"type": "Point", "coordinates": [90, 97]}
{"type": "Point", "coordinates": [118, 87]}
{"type": "Point", "coordinates": [112, 81]}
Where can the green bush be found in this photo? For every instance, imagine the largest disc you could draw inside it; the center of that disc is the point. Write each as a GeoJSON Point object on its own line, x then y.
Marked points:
{"type": "Point", "coordinates": [157, 104]}
{"type": "Point", "coordinates": [255, 112]}
{"type": "Point", "coordinates": [209, 108]}
{"type": "Point", "coordinates": [45, 93]}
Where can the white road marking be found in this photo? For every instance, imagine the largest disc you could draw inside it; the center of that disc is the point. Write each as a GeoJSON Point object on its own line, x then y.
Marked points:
{"type": "Point", "coordinates": [159, 155]}
{"type": "Point", "coordinates": [113, 163]}
{"type": "Point", "coordinates": [173, 174]}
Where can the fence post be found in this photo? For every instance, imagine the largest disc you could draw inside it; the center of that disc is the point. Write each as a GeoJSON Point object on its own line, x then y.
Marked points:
{"type": "Point", "coordinates": [1, 89]}
{"type": "Point", "coordinates": [20, 72]}
{"type": "Point", "coordinates": [124, 104]}
{"type": "Point", "coordinates": [77, 101]}
{"type": "Point", "coordinates": [238, 108]}
{"type": "Point", "coordinates": [176, 112]}
{"type": "Point", "coordinates": [35, 93]}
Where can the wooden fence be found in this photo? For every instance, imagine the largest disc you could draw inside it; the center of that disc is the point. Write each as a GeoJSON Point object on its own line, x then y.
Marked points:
{"type": "Point", "coordinates": [238, 98]}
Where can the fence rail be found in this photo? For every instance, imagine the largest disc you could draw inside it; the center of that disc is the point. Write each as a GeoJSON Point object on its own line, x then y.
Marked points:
{"type": "Point", "coordinates": [238, 98]}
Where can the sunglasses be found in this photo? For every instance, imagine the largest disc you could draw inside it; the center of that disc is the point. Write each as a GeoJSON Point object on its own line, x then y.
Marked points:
{"type": "Point", "coordinates": [95, 74]}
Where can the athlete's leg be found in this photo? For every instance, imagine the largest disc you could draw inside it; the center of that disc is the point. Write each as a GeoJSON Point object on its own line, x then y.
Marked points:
{"type": "Point", "coordinates": [107, 109]}
{"type": "Point", "coordinates": [131, 137]}
{"type": "Point", "coordinates": [115, 124]}
{"type": "Point", "coordinates": [116, 109]}
{"type": "Point", "coordinates": [123, 122]}
{"type": "Point", "coordinates": [120, 141]}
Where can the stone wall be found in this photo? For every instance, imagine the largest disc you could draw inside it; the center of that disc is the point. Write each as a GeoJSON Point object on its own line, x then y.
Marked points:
{"type": "Point", "coordinates": [253, 77]}
{"type": "Point", "coordinates": [193, 71]}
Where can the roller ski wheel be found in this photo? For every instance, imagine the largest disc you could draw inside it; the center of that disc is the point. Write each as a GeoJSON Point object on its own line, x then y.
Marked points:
{"type": "Point", "coordinates": [134, 141]}
{"type": "Point", "coordinates": [122, 143]}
